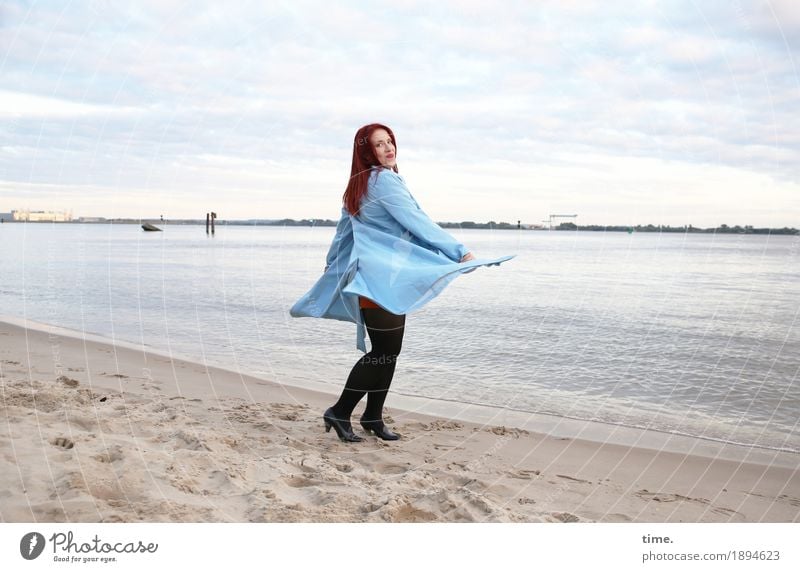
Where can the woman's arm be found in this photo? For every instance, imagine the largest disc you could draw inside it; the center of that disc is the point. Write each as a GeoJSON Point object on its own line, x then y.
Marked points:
{"type": "Point", "coordinates": [393, 194]}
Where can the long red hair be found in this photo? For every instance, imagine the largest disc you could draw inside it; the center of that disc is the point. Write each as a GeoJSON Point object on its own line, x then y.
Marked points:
{"type": "Point", "coordinates": [363, 161]}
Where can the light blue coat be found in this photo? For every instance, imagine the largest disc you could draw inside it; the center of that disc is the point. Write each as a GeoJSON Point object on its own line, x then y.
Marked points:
{"type": "Point", "coordinates": [391, 253]}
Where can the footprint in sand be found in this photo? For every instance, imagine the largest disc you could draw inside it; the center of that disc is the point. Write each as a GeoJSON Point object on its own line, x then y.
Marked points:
{"type": "Point", "coordinates": [63, 442]}
{"type": "Point", "coordinates": [407, 512]}
{"type": "Point", "coordinates": [565, 517]}
{"type": "Point", "coordinates": [300, 481]}
{"type": "Point", "coordinates": [438, 425]}
{"type": "Point", "coordinates": [262, 416]}
{"type": "Point", "coordinates": [306, 465]}
{"type": "Point", "coordinates": [344, 467]}
{"type": "Point", "coordinates": [111, 454]}
{"type": "Point", "coordinates": [666, 497]}
{"type": "Point", "coordinates": [511, 431]}
{"type": "Point", "coordinates": [69, 382]}
{"type": "Point", "coordinates": [445, 447]}
{"type": "Point", "coordinates": [791, 500]}
{"type": "Point", "coordinates": [577, 480]}
{"type": "Point", "coordinates": [186, 441]}
{"type": "Point", "coordinates": [446, 425]}
{"type": "Point", "coordinates": [390, 469]}
{"type": "Point", "coordinates": [674, 497]}
{"type": "Point", "coordinates": [287, 411]}
{"type": "Point", "coordinates": [618, 517]}
{"type": "Point", "coordinates": [724, 511]}
{"type": "Point", "coordinates": [523, 473]}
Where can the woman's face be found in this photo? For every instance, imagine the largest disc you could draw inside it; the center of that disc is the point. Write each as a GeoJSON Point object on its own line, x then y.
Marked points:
{"type": "Point", "coordinates": [383, 147]}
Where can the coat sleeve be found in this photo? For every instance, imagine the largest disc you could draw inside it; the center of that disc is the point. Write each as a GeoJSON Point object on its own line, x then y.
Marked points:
{"type": "Point", "coordinates": [342, 230]}
{"type": "Point", "coordinates": [395, 197]}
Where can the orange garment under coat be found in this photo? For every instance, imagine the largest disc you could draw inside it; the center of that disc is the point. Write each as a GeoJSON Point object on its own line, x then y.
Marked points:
{"type": "Point", "coordinates": [366, 303]}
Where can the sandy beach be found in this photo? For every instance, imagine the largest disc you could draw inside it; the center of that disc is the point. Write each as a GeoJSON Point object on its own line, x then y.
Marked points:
{"type": "Point", "coordinates": [92, 431]}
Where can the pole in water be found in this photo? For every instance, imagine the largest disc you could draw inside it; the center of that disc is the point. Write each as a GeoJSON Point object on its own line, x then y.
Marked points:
{"type": "Point", "coordinates": [207, 223]}
{"type": "Point", "coordinates": [213, 216]}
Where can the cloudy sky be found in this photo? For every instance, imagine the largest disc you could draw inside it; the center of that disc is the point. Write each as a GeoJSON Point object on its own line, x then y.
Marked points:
{"type": "Point", "coordinates": [636, 112]}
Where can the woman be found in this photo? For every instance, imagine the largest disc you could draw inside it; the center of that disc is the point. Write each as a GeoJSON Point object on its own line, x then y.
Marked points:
{"type": "Point", "coordinates": [387, 259]}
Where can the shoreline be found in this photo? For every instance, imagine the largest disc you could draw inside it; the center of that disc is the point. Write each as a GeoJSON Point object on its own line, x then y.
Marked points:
{"type": "Point", "coordinates": [737, 230]}
{"type": "Point", "coordinates": [553, 425]}
{"type": "Point", "coordinates": [103, 430]}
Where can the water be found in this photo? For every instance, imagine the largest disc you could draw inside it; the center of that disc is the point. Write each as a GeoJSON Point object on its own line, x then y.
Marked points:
{"type": "Point", "coordinates": [694, 334]}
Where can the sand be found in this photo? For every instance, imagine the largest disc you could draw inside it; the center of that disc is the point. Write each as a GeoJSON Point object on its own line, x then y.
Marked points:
{"type": "Point", "coordinates": [92, 431]}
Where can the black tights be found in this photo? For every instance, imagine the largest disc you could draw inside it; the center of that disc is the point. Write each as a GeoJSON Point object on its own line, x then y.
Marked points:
{"type": "Point", "coordinates": [372, 373]}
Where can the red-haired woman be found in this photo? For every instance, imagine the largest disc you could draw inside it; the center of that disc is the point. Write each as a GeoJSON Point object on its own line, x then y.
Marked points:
{"type": "Point", "coordinates": [387, 259]}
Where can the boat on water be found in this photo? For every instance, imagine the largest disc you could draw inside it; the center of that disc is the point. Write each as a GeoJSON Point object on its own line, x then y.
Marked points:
{"type": "Point", "coordinates": [148, 226]}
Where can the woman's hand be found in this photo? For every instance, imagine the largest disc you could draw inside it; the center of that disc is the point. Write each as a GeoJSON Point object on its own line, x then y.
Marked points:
{"type": "Point", "coordinates": [467, 257]}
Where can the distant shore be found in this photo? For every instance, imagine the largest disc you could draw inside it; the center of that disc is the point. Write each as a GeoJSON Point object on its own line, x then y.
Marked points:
{"type": "Point", "coordinates": [491, 225]}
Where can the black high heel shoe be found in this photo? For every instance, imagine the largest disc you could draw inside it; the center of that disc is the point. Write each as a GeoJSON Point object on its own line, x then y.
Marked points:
{"type": "Point", "coordinates": [380, 430]}
{"type": "Point", "coordinates": [343, 428]}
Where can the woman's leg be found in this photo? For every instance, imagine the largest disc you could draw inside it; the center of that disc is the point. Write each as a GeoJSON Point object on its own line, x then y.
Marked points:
{"type": "Point", "coordinates": [372, 373]}
{"type": "Point", "coordinates": [387, 341]}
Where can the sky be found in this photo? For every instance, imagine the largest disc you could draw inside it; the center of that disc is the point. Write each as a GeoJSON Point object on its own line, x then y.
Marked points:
{"type": "Point", "coordinates": [641, 112]}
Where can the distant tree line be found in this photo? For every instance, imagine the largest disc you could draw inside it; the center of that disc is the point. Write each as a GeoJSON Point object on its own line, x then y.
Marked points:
{"type": "Point", "coordinates": [472, 224]}
{"type": "Point", "coordinates": [721, 229]}
{"type": "Point", "coordinates": [724, 228]}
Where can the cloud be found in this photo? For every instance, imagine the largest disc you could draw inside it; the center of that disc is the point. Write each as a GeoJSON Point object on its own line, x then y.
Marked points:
{"type": "Point", "coordinates": [262, 99]}
{"type": "Point", "coordinates": [26, 105]}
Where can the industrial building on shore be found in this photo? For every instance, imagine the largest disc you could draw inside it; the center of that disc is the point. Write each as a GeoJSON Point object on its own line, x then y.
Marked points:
{"type": "Point", "coordinates": [26, 215]}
